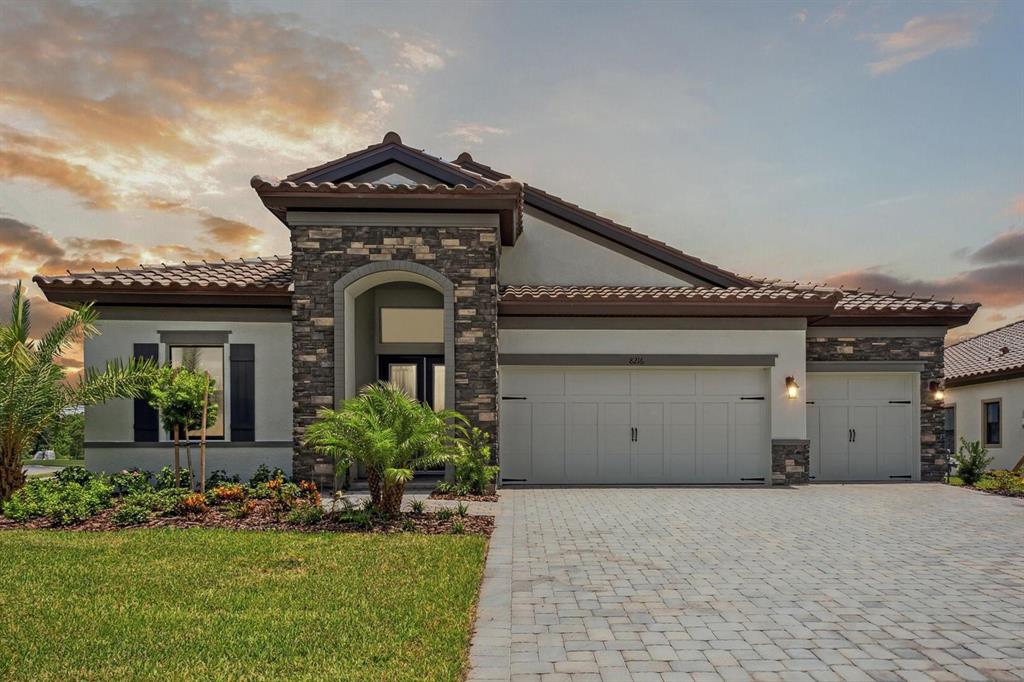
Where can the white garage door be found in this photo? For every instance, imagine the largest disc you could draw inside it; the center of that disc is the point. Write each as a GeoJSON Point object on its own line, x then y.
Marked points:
{"type": "Point", "coordinates": [645, 426]}
{"type": "Point", "coordinates": [861, 426]}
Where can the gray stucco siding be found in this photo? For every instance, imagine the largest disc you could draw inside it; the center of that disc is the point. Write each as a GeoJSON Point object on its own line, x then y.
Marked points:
{"type": "Point", "coordinates": [113, 422]}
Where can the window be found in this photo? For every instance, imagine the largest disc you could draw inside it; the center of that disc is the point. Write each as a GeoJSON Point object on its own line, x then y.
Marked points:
{"type": "Point", "coordinates": [949, 428]}
{"type": "Point", "coordinates": [992, 422]}
{"type": "Point", "coordinates": [210, 359]}
{"type": "Point", "coordinates": [411, 325]}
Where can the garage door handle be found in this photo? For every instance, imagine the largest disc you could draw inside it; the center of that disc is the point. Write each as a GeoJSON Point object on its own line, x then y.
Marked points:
{"type": "Point", "coordinates": [849, 435]}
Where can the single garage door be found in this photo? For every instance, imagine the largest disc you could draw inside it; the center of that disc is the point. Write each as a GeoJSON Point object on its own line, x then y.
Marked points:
{"type": "Point", "coordinates": [861, 426]}
{"type": "Point", "coordinates": [568, 425]}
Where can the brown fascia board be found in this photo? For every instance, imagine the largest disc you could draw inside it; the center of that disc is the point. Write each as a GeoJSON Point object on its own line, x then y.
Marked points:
{"type": "Point", "coordinates": [72, 295]}
{"type": "Point", "coordinates": [896, 318]}
{"type": "Point", "coordinates": [988, 377]}
{"type": "Point", "coordinates": [578, 308]}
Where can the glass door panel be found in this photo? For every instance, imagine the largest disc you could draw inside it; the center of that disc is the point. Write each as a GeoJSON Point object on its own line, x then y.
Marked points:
{"type": "Point", "coordinates": [405, 376]}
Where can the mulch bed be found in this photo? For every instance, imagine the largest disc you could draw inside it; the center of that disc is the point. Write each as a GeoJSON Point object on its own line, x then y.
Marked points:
{"type": "Point", "coordinates": [465, 498]}
{"type": "Point", "coordinates": [1001, 493]}
{"type": "Point", "coordinates": [263, 518]}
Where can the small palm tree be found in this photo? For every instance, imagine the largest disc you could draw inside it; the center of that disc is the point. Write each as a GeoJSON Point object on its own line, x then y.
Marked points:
{"type": "Point", "coordinates": [391, 435]}
{"type": "Point", "coordinates": [33, 387]}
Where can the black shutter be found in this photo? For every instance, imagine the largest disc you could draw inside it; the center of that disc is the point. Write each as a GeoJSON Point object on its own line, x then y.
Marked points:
{"type": "Point", "coordinates": [243, 392]}
{"type": "Point", "coordinates": [147, 419]}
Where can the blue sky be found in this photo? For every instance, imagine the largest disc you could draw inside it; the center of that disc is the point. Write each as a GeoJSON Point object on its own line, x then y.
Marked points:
{"type": "Point", "coordinates": [852, 142]}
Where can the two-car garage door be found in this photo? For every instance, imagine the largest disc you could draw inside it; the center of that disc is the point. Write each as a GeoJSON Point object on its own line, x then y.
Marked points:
{"type": "Point", "coordinates": [585, 425]}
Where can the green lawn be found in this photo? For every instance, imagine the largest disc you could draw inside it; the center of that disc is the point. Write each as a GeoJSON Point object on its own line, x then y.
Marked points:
{"type": "Point", "coordinates": [54, 462]}
{"type": "Point", "coordinates": [219, 605]}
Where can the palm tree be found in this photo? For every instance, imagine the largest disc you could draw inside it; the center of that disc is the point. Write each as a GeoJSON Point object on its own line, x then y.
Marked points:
{"type": "Point", "coordinates": [33, 387]}
{"type": "Point", "coordinates": [391, 435]}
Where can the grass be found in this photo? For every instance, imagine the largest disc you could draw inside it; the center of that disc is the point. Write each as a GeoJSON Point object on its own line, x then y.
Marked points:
{"type": "Point", "coordinates": [206, 604]}
{"type": "Point", "coordinates": [54, 462]}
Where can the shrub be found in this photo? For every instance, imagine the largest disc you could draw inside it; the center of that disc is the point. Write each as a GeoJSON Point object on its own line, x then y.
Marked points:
{"type": "Point", "coordinates": [240, 510]}
{"type": "Point", "coordinates": [408, 526]}
{"type": "Point", "coordinates": [444, 513]}
{"type": "Point", "coordinates": [306, 514]}
{"type": "Point", "coordinates": [131, 481]}
{"type": "Point", "coordinates": [226, 493]}
{"type": "Point", "coordinates": [74, 502]}
{"type": "Point", "coordinates": [263, 474]}
{"type": "Point", "coordinates": [971, 461]}
{"type": "Point", "coordinates": [193, 504]}
{"type": "Point", "coordinates": [445, 488]}
{"type": "Point", "coordinates": [417, 507]}
{"type": "Point", "coordinates": [162, 502]}
{"type": "Point", "coordinates": [31, 501]}
{"type": "Point", "coordinates": [458, 528]}
{"type": "Point", "coordinates": [473, 469]}
{"type": "Point", "coordinates": [220, 477]}
{"type": "Point", "coordinates": [165, 479]}
{"type": "Point", "coordinates": [462, 510]}
{"type": "Point", "coordinates": [1002, 481]}
{"type": "Point", "coordinates": [130, 515]}
{"type": "Point", "coordinates": [74, 474]}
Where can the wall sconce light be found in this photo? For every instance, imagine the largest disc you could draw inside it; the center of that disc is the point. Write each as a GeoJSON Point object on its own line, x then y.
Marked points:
{"type": "Point", "coordinates": [792, 388]}
{"type": "Point", "coordinates": [936, 390]}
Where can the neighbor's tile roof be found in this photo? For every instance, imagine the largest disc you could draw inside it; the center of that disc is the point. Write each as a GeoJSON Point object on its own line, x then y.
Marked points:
{"type": "Point", "coordinates": [231, 275]}
{"type": "Point", "coordinates": [992, 353]}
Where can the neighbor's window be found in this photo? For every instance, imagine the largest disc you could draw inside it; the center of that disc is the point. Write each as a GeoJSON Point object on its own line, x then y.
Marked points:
{"type": "Point", "coordinates": [949, 428]}
{"type": "Point", "coordinates": [209, 359]}
{"type": "Point", "coordinates": [991, 412]}
{"type": "Point", "coordinates": [411, 325]}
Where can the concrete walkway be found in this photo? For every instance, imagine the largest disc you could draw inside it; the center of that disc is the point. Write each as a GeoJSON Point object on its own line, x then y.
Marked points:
{"type": "Point", "coordinates": [824, 582]}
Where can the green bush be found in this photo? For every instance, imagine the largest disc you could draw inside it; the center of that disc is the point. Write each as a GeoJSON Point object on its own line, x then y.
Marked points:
{"type": "Point", "coordinates": [444, 513]}
{"type": "Point", "coordinates": [130, 515]}
{"type": "Point", "coordinates": [971, 461]}
{"type": "Point", "coordinates": [306, 514]}
{"type": "Point", "coordinates": [163, 502]}
{"type": "Point", "coordinates": [473, 468]}
{"type": "Point", "coordinates": [74, 474]}
{"type": "Point", "coordinates": [165, 479]}
{"type": "Point", "coordinates": [1002, 481]}
{"type": "Point", "coordinates": [63, 503]}
{"type": "Point", "coordinates": [131, 481]}
{"type": "Point", "coordinates": [220, 477]}
{"type": "Point", "coordinates": [263, 474]}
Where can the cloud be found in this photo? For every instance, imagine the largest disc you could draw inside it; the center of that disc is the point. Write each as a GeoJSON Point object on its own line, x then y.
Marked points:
{"type": "Point", "coordinates": [800, 16]}
{"type": "Point", "coordinates": [997, 282]}
{"type": "Point", "coordinates": [1017, 206]}
{"type": "Point", "coordinates": [122, 102]}
{"type": "Point", "coordinates": [923, 36]}
{"type": "Point", "coordinates": [230, 232]}
{"type": "Point", "coordinates": [473, 133]}
{"type": "Point", "coordinates": [421, 56]}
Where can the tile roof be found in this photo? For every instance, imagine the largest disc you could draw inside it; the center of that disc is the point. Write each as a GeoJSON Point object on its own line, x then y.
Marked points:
{"type": "Point", "coordinates": [274, 273]}
{"type": "Point", "coordinates": [525, 292]}
{"type": "Point", "coordinates": [856, 302]}
{"type": "Point", "coordinates": [994, 353]}
{"type": "Point", "coordinates": [261, 183]}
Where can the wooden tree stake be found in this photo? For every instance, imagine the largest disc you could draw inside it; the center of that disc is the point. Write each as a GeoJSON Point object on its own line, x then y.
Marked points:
{"type": "Point", "coordinates": [202, 436]}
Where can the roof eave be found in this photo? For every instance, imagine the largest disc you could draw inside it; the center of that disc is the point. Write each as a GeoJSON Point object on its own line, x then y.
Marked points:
{"type": "Point", "coordinates": [78, 294]}
{"type": "Point", "coordinates": [940, 318]}
{"type": "Point", "coordinates": [987, 377]}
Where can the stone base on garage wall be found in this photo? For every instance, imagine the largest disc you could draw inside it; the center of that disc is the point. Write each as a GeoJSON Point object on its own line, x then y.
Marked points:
{"type": "Point", "coordinates": [791, 461]}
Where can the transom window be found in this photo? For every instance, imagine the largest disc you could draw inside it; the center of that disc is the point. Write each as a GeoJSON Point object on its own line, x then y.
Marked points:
{"type": "Point", "coordinates": [992, 422]}
{"type": "Point", "coordinates": [411, 325]}
{"type": "Point", "coordinates": [209, 359]}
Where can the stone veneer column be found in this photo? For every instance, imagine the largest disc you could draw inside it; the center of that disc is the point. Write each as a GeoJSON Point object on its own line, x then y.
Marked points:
{"type": "Point", "coordinates": [791, 462]}
{"type": "Point", "coordinates": [909, 349]}
{"type": "Point", "coordinates": [468, 256]}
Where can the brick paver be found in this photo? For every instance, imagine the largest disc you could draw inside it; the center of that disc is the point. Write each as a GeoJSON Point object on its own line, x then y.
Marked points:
{"type": "Point", "coordinates": [823, 582]}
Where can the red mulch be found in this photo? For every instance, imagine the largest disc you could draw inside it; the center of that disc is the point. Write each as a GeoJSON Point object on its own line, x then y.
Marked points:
{"type": "Point", "coordinates": [465, 498]}
{"type": "Point", "coordinates": [263, 518]}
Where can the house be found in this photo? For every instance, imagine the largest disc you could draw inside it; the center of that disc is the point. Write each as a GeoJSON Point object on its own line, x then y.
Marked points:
{"type": "Point", "coordinates": [984, 394]}
{"type": "Point", "coordinates": [596, 354]}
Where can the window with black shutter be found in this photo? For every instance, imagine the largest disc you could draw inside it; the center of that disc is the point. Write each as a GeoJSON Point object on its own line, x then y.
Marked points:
{"type": "Point", "coordinates": [146, 418]}
{"type": "Point", "coordinates": [243, 392]}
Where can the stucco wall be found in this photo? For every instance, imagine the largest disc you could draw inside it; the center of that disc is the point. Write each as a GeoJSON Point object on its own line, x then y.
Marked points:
{"type": "Point", "coordinates": [789, 420]}
{"type": "Point", "coordinates": [968, 417]}
{"type": "Point", "coordinates": [551, 251]}
{"type": "Point", "coordinates": [113, 422]}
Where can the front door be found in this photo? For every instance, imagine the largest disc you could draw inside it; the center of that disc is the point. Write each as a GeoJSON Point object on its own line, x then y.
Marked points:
{"type": "Point", "coordinates": [421, 376]}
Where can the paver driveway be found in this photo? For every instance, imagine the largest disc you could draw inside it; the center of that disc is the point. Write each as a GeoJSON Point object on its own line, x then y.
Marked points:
{"type": "Point", "coordinates": [824, 582]}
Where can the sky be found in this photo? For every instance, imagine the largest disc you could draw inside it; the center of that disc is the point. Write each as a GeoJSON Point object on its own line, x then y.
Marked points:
{"type": "Point", "coordinates": [855, 143]}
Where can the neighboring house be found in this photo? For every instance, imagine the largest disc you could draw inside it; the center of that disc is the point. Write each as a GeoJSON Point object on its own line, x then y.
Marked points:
{"type": "Point", "coordinates": [596, 354]}
{"type": "Point", "coordinates": [984, 398]}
